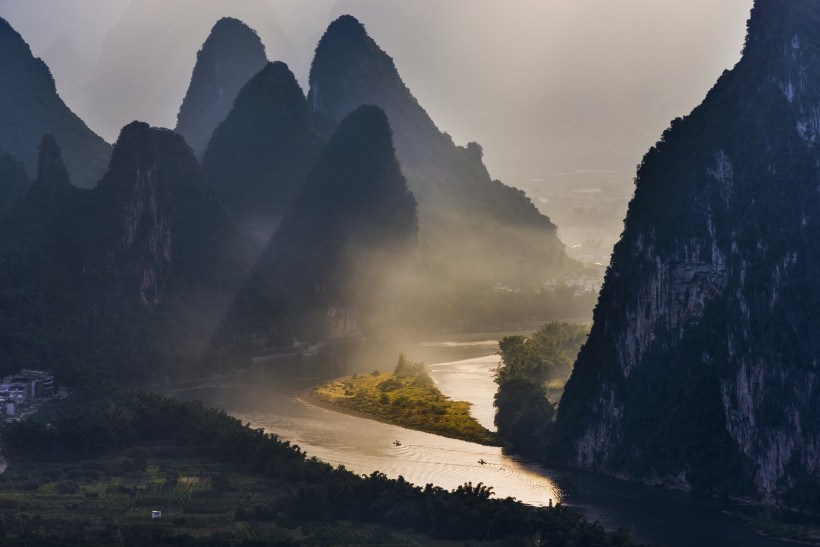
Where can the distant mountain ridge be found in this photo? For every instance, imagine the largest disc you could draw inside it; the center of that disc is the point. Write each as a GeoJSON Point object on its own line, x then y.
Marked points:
{"type": "Point", "coordinates": [30, 108]}
{"type": "Point", "coordinates": [464, 214]}
{"type": "Point", "coordinates": [474, 233]}
{"type": "Point", "coordinates": [300, 223]}
{"type": "Point", "coordinates": [149, 82]}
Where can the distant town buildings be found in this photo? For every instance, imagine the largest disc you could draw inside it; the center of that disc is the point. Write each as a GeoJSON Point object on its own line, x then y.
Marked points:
{"type": "Point", "coordinates": [580, 284]}
{"type": "Point", "coordinates": [23, 390]}
{"type": "Point", "coordinates": [589, 282]}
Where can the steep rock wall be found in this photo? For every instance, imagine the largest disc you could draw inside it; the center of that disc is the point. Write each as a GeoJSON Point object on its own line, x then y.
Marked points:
{"type": "Point", "coordinates": [701, 368]}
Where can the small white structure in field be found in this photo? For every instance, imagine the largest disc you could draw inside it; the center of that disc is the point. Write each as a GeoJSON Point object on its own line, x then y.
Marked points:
{"type": "Point", "coordinates": [156, 514]}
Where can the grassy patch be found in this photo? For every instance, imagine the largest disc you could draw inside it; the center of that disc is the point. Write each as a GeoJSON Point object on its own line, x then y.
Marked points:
{"type": "Point", "coordinates": [95, 502]}
{"type": "Point", "coordinates": [406, 397]}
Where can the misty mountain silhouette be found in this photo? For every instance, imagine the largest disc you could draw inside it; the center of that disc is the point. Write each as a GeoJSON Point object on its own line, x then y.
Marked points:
{"type": "Point", "coordinates": [260, 154]}
{"type": "Point", "coordinates": [351, 225]}
{"type": "Point", "coordinates": [230, 56]}
{"type": "Point", "coordinates": [168, 262]}
{"type": "Point", "coordinates": [131, 279]}
{"type": "Point", "coordinates": [468, 222]}
{"type": "Point", "coordinates": [30, 107]}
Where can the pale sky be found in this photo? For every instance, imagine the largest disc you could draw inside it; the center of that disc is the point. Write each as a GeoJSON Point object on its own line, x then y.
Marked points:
{"type": "Point", "coordinates": [544, 86]}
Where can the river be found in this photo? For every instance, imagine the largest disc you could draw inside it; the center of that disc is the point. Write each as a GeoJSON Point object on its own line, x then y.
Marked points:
{"type": "Point", "coordinates": [273, 396]}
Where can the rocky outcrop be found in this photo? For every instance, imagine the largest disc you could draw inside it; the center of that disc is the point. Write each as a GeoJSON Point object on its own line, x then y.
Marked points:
{"type": "Point", "coordinates": [230, 56]}
{"type": "Point", "coordinates": [701, 368]}
{"type": "Point", "coordinates": [30, 107]}
{"type": "Point", "coordinates": [52, 192]}
{"type": "Point", "coordinates": [139, 257]}
{"type": "Point", "coordinates": [51, 171]}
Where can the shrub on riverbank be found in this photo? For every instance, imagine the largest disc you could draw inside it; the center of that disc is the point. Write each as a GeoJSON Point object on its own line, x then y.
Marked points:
{"type": "Point", "coordinates": [531, 381]}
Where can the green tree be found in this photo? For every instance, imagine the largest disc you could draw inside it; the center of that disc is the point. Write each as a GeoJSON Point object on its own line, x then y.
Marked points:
{"type": "Point", "coordinates": [524, 413]}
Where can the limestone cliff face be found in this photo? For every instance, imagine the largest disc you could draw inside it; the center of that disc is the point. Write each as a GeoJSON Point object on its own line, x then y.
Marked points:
{"type": "Point", "coordinates": [139, 257]}
{"type": "Point", "coordinates": [146, 236]}
{"type": "Point", "coordinates": [701, 368]}
{"type": "Point", "coordinates": [164, 259]}
{"type": "Point", "coordinates": [342, 323]}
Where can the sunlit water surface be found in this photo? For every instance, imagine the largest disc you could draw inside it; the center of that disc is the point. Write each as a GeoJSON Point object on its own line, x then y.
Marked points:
{"type": "Point", "coordinates": [274, 396]}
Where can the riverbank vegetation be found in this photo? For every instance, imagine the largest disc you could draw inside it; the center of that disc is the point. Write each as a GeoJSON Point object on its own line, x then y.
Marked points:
{"type": "Point", "coordinates": [91, 474]}
{"type": "Point", "coordinates": [787, 525]}
{"type": "Point", "coordinates": [531, 380]}
{"type": "Point", "coordinates": [407, 397]}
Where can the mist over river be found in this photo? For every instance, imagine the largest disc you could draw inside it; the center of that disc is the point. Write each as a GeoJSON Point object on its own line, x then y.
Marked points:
{"type": "Point", "coordinates": [273, 396]}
